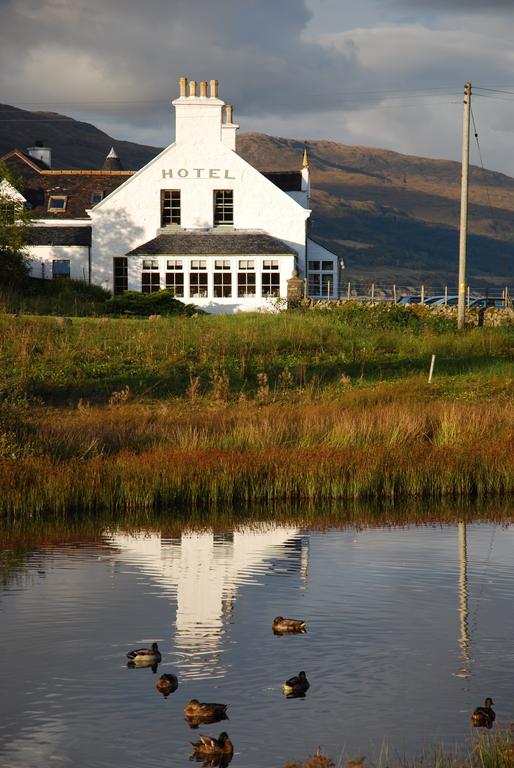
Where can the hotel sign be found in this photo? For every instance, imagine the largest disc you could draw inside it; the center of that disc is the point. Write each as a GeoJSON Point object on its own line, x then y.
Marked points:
{"type": "Point", "coordinates": [196, 173]}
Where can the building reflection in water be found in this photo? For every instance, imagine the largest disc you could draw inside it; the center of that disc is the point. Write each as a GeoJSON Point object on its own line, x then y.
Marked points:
{"type": "Point", "coordinates": [203, 572]}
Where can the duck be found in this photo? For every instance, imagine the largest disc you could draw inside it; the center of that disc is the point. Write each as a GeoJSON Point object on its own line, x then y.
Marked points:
{"type": "Point", "coordinates": [208, 745]}
{"type": "Point", "coordinates": [145, 656]}
{"type": "Point", "coordinates": [483, 717]}
{"type": "Point", "coordinates": [166, 684]}
{"type": "Point", "coordinates": [296, 686]}
{"type": "Point", "coordinates": [198, 709]}
{"type": "Point", "coordinates": [281, 625]}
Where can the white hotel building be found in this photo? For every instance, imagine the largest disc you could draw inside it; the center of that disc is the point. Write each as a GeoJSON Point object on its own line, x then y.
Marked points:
{"type": "Point", "coordinates": [197, 219]}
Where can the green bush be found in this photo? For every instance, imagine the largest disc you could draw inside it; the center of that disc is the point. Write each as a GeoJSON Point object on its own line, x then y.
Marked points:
{"type": "Point", "coordinates": [145, 304]}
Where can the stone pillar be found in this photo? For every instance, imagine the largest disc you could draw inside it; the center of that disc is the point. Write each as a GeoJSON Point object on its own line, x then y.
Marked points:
{"type": "Point", "coordinates": [294, 288]}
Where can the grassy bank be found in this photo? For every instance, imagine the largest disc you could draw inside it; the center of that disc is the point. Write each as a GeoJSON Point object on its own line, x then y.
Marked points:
{"type": "Point", "coordinates": [485, 751]}
{"type": "Point", "coordinates": [134, 414]}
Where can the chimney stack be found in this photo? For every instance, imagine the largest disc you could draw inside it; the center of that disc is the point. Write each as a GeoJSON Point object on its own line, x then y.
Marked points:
{"type": "Point", "coordinates": [41, 153]}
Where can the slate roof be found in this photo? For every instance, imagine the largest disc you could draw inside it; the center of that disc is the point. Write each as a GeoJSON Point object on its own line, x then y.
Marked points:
{"type": "Point", "coordinates": [59, 236]}
{"type": "Point", "coordinates": [77, 186]}
{"type": "Point", "coordinates": [208, 243]}
{"type": "Point", "coordinates": [287, 181]}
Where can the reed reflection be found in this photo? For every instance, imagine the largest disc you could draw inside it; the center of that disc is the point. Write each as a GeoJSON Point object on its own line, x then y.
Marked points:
{"type": "Point", "coordinates": [203, 571]}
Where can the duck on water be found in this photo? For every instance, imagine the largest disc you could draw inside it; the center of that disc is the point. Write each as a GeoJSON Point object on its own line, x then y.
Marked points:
{"type": "Point", "coordinates": [145, 657]}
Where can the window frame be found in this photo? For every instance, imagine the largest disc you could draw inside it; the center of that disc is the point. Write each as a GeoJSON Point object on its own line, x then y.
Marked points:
{"type": "Point", "coordinates": [222, 284]}
{"type": "Point", "coordinates": [150, 281]}
{"type": "Point", "coordinates": [271, 276]}
{"type": "Point", "coordinates": [223, 208]}
{"type": "Point", "coordinates": [244, 283]}
{"type": "Point", "coordinates": [59, 209]}
{"type": "Point", "coordinates": [169, 211]}
{"type": "Point", "coordinates": [119, 281]}
{"type": "Point", "coordinates": [174, 281]}
{"type": "Point", "coordinates": [202, 288]}
{"type": "Point", "coordinates": [61, 276]}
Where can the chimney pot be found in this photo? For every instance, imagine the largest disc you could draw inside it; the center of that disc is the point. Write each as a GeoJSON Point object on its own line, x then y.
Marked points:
{"type": "Point", "coordinates": [214, 89]}
{"type": "Point", "coordinates": [192, 87]}
{"type": "Point", "coordinates": [203, 89]}
{"type": "Point", "coordinates": [183, 87]}
{"type": "Point", "coordinates": [230, 113]}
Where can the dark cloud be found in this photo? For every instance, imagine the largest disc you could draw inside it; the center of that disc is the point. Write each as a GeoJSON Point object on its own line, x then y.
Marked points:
{"type": "Point", "coordinates": [116, 63]}
{"type": "Point", "coordinates": [122, 51]}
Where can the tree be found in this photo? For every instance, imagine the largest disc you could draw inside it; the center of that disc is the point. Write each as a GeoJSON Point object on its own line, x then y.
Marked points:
{"type": "Point", "coordinates": [14, 226]}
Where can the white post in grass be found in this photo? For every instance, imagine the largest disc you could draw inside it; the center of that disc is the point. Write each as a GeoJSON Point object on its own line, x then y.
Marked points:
{"type": "Point", "coordinates": [349, 292]}
{"type": "Point", "coordinates": [394, 293]}
{"type": "Point", "coordinates": [432, 362]}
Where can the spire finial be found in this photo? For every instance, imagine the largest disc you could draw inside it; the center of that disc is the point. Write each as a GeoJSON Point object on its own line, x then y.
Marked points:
{"type": "Point", "coordinates": [305, 163]}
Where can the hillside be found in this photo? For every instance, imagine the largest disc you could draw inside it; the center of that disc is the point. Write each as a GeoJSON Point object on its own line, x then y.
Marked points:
{"type": "Point", "coordinates": [75, 145]}
{"type": "Point", "coordinates": [390, 214]}
{"type": "Point", "coordinates": [392, 217]}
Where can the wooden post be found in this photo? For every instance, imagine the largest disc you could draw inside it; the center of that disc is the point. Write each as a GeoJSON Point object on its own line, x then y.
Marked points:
{"type": "Point", "coordinates": [372, 294]}
{"type": "Point", "coordinates": [305, 287]}
{"type": "Point", "coordinates": [468, 297]}
{"type": "Point", "coordinates": [394, 293]}
{"type": "Point", "coordinates": [349, 291]}
{"type": "Point", "coordinates": [431, 369]}
{"type": "Point", "coordinates": [328, 291]}
{"type": "Point", "coordinates": [422, 295]}
{"type": "Point", "coordinates": [445, 295]}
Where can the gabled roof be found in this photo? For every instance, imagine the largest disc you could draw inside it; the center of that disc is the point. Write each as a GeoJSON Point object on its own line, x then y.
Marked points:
{"type": "Point", "coordinates": [212, 242]}
{"type": "Point", "coordinates": [34, 163]}
{"type": "Point", "coordinates": [78, 187]}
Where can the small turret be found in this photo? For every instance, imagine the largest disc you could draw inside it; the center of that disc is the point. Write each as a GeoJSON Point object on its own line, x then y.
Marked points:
{"type": "Point", "coordinates": [112, 162]}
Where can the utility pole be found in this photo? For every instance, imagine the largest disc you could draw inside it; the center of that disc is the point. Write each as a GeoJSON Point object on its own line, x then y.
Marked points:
{"type": "Point", "coordinates": [464, 208]}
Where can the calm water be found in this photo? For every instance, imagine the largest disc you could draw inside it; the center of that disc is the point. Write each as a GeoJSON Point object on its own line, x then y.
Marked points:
{"type": "Point", "coordinates": [408, 631]}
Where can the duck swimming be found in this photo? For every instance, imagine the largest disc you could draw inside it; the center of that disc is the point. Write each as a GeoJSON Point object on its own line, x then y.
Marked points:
{"type": "Point", "coordinates": [296, 686]}
{"type": "Point", "coordinates": [280, 625]}
{"type": "Point", "coordinates": [208, 745]}
{"type": "Point", "coordinates": [198, 709]}
{"type": "Point", "coordinates": [483, 717]}
{"type": "Point", "coordinates": [144, 657]}
{"type": "Point", "coordinates": [166, 684]}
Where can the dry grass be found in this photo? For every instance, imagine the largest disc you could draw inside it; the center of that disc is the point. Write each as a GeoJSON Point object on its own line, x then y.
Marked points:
{"type": "Point", "coordinates": [128, 415]}
{"type": "Point", "coordinates": [131, 457]}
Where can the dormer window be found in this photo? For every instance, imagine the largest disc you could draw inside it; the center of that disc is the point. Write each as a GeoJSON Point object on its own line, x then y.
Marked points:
{"type": "Point", "coordinates": [57, 203]}
{"type": "Point", "coordinates": [223, 207]}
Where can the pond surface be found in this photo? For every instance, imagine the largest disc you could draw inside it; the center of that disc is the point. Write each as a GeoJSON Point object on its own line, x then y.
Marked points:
{"type": "Point", "coordinates": [408, 630]}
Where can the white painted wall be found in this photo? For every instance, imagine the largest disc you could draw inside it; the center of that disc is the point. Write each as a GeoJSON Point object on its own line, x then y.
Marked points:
{"type": "Point", "coordinates": [316, 252]}
{"type": "Point", "coordinates": [40, 258]}
{"type": "Point", "coordinates": [130, 215]}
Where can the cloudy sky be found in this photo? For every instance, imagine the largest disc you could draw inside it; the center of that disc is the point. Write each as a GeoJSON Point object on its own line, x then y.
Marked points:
{"type": "Point", "coordinates": [384, 73]}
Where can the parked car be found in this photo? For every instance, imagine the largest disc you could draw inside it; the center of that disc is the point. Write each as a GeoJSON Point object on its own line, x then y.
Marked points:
{"type": "Point", "coordinates": [428, 300]}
